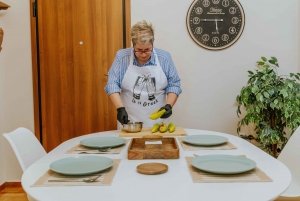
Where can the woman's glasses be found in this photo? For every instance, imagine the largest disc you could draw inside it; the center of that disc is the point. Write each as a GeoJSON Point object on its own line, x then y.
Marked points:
{"type": "Point", "coordinates": [143, 51]}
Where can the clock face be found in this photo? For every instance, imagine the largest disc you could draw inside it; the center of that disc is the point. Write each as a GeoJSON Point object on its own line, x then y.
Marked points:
{"type": "Point", "coordinates": [215, 24]}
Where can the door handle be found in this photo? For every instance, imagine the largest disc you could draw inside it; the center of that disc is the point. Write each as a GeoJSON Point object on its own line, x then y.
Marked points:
{"type": "Point", "coordinates": [106, 74]}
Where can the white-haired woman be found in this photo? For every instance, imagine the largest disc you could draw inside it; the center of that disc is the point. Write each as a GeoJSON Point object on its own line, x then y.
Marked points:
{"type": "Point", "coordinates": [142, 79]}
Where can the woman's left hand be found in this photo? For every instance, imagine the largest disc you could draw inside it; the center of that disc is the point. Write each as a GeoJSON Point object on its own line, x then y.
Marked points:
{"type": "Point", "coordinates": [168, 112]}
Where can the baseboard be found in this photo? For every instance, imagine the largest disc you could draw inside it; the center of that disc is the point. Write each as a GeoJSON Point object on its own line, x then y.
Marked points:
{"type": "Point", "coordinates": [2, 186]}
{"type": "Point", "coordinates": [13, 184]}
{"type": "Point", "coordinates": [10, 184]}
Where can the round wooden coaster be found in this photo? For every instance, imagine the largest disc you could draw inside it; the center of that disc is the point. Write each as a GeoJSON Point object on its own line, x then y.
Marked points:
{"type": "Point", "coordinates": [152, 168]}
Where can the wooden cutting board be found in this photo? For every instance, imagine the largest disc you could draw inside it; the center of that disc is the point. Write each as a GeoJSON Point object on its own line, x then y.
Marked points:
{"type": "Point", "coordinates": [147, 131]}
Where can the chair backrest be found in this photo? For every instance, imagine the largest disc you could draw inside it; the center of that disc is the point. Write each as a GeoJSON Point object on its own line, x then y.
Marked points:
{"type": "Point", "coordinates": [290, 155]}
{"type": "Point", "coordinates": [26, 146]}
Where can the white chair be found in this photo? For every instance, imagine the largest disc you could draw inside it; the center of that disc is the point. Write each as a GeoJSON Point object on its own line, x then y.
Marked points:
{"type": "Point", "coordinates": [26, 147]}
{"type": "Point", "coordinates": [290, 156]}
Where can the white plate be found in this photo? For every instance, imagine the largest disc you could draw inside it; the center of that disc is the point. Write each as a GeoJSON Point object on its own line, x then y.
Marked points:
{"type": "Point", "coordinates": [204, 140]}
{"type": "Point", "coordinates": [81, 165]}
{"type": "Point", "coordinates": [102, 142]}
{"type": "Point", "coordinates": [223, 164]}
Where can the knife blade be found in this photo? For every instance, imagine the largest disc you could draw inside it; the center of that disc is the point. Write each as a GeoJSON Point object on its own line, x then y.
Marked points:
{"type": "Point", "coordinates": [65, 180]}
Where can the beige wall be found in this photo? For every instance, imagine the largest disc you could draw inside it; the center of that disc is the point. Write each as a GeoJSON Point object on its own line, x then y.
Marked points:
{"type": "Point", "coordinates": [213, 85]}
{"type": "Point", "coordinates": [16, 97]}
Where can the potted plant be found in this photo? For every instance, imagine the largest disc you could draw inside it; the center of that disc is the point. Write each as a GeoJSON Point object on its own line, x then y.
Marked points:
{"type": "Point", "coordinates": [272, 104]}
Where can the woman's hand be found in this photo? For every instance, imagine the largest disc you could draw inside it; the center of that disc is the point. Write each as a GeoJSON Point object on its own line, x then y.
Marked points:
{"type": "Point", "coordinates": [122, 115]}
{"type": "Point", "coordinates": [168, 112]}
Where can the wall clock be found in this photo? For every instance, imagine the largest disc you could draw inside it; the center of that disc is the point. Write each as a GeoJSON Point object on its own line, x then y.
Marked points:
{"type": "Point", "coordinates": [215, 24]}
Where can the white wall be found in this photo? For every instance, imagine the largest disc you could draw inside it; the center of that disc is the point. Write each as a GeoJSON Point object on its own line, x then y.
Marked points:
{"type": "Point", "coordinates": [211, 80]}
{"type": "Point", "coordinates": [16, 96]}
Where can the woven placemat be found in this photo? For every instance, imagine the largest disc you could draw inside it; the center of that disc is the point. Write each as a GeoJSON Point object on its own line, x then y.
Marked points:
{"type": "Point", "coordinates": [79, 149]}
{"type": "Point", "coordinates": [190, 147]}
{"type": "Point", "coordinates": [105, 179]}
{"type": "Point", "coordinates": [199, 176]}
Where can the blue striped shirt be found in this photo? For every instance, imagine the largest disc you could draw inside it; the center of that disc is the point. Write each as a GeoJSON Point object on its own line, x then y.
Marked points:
{"type": "Point", "coordinates": [121, 62]}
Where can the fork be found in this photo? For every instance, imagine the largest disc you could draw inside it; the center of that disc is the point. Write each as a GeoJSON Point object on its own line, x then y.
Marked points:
{"type": "Point", "coordinates": [104, 150]}
{"type": "Point", "coordinates": [87, 180]}
{"type": "Point", "coordinates": [100, 150]}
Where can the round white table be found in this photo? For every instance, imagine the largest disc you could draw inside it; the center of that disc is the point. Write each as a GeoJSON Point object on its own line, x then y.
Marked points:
{"type": "Point", "coordinates": [175, 184]}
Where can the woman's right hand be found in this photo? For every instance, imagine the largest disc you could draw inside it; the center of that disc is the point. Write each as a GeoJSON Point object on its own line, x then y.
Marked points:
{"type": "Point", "coordinates": [122, 115]}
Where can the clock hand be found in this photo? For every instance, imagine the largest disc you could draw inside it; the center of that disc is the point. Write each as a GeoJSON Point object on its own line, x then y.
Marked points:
{"type": "Point", "coordinates": [211, 20]}
{"type": "Point", "coordinates": [217, 25]}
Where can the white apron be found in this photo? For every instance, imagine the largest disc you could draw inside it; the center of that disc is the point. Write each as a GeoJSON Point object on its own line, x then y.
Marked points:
{"type": "Point", "coordinates": [143, 91]}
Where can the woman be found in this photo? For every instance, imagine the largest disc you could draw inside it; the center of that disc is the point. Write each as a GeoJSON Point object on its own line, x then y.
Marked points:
{"type": "Point", "coordinates": [141, 77]}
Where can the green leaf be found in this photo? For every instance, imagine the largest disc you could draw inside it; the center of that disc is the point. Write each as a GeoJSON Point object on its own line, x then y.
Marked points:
{"type": "Point", "coordinates": [271, 91]}
{"type": "Point", "coordinates": [255, 89]}
{"type": "Point", "coordinates": [264, 59]}
{"type": "Point", "coordinates": [272, 62]}
{"type": "Point", "coordinates": [260, 63]}
{"type": "Point", "coordinates": [274, 58]}
{"type": "Point", "coordinates": [283, 91]}
{"type": "Point", "coordinates": [250, 72]}
{"type": "Point", "coordinates": [266, 94]}
{"type": "Point", "coordinates": [263, 123]}
{"type": "Point", "coordinates": [275, 101]}
{"type": "Point", "coordinates": [286, 114]}
{"type": "Point", "coordinates": [261, 98]}
{"type": "Point", "coordinates": [280, 104]}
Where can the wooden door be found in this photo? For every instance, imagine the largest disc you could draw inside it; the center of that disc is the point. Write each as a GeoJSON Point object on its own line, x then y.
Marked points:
{"type": "Point", "coordinates": [77, 41]}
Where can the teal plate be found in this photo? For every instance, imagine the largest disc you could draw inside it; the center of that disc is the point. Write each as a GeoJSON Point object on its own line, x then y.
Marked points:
{"type": "Point", "coordinates": [204, 140]}
{"type": "Point", "coordinates": [81, 165]}
{"type": "Point", "coordinates": [223, 164]}
{"type": "Point", "coordinates": [102, 142]}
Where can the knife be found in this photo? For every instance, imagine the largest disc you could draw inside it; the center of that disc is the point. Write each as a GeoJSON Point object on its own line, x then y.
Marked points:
{"type": "Point", "coordinates": [88, 180]}
{"type": "Point", "coordinates": [65, 180]}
